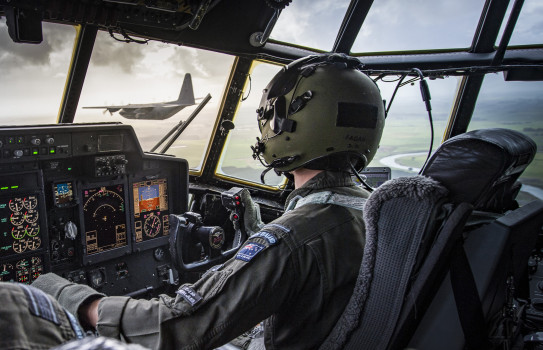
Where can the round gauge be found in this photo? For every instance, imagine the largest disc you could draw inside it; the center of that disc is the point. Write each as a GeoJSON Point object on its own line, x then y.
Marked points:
{"type": "Point", "coordinates": [19, 246]}
{"type": "Point", "coordinates": [96, 278]}
{"type": "Point", "coordinates": [30, 202]}
{"type": "Point", "coordinates": [152, 225]}
{"type": "Point", "coordinates": [18, 232]}
{"type": "Point", "coordinates": [33, 243]}
{"type": "Point", "coordinates": [31, 216]}
{"type": "Point", "coordinates": [16, 204]}
{"type": "Point", "coordinates": [35, 261]}
{"type": "Point", "coordinates": [32, 229]}
{"type": "Point", "coordinates": [22, 264]}
{"type": "Point", "coordinates": [17, 218]}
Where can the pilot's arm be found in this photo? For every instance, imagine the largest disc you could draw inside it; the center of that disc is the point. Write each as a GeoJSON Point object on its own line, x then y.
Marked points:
{"type": "Point", "coordinates": [223, 304]}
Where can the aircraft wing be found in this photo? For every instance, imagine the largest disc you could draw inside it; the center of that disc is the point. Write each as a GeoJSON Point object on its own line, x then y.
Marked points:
{"type": "Point", "coordinates": [143, 105]}
{"type": "Point", "coordinates": [186, 98]}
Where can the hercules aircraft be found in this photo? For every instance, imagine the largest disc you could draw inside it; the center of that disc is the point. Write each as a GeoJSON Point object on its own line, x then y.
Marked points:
{"type": "Point", "coordinates": [156, 111]}
{"type": "Point", "coordinates": [88, 197]}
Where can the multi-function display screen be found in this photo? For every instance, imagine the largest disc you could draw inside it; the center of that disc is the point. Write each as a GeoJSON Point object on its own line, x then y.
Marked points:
{"type": "Point", "coordinates": [19, 225]}
{"type": "Point", "coordinates": [63, 193]}
{"type": "Point", "coordinates": [150, 209]}
{"type": "Point", "coordinates": [104, 218]}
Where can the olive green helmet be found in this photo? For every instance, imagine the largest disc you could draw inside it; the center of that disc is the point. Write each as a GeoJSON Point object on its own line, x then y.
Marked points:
{"type": "Point", "coordinates": [319, 107]}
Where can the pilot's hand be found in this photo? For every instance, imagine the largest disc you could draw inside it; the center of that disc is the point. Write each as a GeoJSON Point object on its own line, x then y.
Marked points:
{"type": "Point", "coordinates": [70, 295]}
{"type": "Point", "coordinates": [251, 218]}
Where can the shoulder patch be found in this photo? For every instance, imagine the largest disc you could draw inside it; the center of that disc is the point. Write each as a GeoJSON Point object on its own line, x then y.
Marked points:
{"type": "Point", "coordinates": [249, 251]}
{"type": "Point", "coordinates": [189, 294]}
{"type": "Point", "coordinates": [39, 304]}
{"type": "Point", "coordinates": [268, 236]}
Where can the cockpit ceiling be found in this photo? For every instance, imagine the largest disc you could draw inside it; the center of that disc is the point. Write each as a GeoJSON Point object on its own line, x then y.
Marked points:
{"type": "Point", "coordinates": [231, 27]}
{"type": "Point", "coordinates": [212, 24]}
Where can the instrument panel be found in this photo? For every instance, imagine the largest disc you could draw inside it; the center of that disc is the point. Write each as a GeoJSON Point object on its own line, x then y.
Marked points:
{"type": "Point", "coordinates": [85, 202]}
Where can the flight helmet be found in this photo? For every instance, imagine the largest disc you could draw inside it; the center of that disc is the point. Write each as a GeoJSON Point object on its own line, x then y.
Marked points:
{"type": "Point", "coordinates": [319, 112]}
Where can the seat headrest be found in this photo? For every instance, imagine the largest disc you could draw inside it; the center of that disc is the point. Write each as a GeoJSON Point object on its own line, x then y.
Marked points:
{"type": "Point", "coordinates": [481, 166]}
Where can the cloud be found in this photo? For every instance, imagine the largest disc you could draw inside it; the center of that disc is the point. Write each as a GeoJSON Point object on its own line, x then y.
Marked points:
{"type": "Point", "coordinates": [201, 64]}
{"type": "Point", "coordinates": [111, 53]}
{"type": "Point", "coordinates": [310, 23]}
{"type": "Point", "coordinates": [56, 38]}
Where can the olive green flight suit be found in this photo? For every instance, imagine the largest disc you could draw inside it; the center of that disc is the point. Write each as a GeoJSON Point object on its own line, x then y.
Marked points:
{"type": "Point", "coordinates": [32, 320]}
{"type": "Point", "coordinates": [297, 274]}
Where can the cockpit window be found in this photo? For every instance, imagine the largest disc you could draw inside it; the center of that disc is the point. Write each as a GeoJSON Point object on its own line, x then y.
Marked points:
{"type": "Point", "coordinates": [389, 26]}
{"type": "Point", "coordinates": [237, 160]}
{"type": "Point", "coordinates": [149, 87]}
{"type": "Point", "coordinates": [518, 106]}
{"type": "Point", "coordinates": [406, 137]}
{"type": "Point", "coordinates": [311, 23]}
{"type": "Point", "coordinates": [529, 25]}
{"type": "Point", "coordinates": [401, 25]}
{"type": "Point", "coordinates": [32, 77]}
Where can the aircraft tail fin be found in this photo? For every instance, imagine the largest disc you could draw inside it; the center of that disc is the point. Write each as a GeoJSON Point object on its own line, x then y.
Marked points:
{"type": "Point", "coordinates": [186, 96]}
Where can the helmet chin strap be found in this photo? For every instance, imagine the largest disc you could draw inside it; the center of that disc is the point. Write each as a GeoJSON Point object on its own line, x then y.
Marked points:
{"type": "Point", "coordinates": [277, 163]}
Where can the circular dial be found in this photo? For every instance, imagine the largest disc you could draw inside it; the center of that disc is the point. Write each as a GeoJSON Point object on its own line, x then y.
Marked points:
{"type": "Point", "coordinates": [22, 264]}
{"type": "Point", "coordinates": [18, 232]}
{"type": "Point", "coordinates": [152, 225]}
{"type": "Point", "coordinates": [17, 218]}
{"type": "Point", "coordinates": [31, 216]}
{"type": "Point", "coordinates": [19, 246]}
{"type": "Point", "coordinates": [32, 229]}
{"type": "Point", "coordinates": [33, 243]}
{"type": "Point", "coordinates": [16, 204]}
{"type": "Point", "coordinates": [96, 278]}
{"type": "Point", "coordinates": [30, 202]}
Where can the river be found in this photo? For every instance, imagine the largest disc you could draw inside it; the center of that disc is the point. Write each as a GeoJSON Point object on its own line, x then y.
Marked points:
{"type": "Point", "coordinates": [390, 161]}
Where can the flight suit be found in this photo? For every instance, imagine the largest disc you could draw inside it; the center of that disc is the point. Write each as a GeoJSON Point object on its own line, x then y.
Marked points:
{"type": "Point", "coordinates": [297, 274]}
{"type": "Point", "coordinates": [31, 319]}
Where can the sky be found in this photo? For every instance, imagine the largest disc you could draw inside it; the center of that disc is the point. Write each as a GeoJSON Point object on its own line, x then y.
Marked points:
{"type": "Point", "coordinates": [32, 77]}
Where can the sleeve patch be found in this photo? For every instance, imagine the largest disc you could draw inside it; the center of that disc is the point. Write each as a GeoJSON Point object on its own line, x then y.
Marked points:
{"type": "Point", "coordinates": [189, 294]}
{"type": "Point", "coordinates": [39, 304]}
{"type": "Point", "coordinates": [268, 236]}
{"type": "Point", "coordinates": [249, 251]}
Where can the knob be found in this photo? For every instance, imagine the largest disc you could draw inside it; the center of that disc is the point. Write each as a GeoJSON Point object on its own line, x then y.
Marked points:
{"type": "Point", "coordinates": [70, 230]}
{"type": "Point", "coordinates": [49, 140]}
{"type": "Point", "coordinates": [18, 153]}
{"type": "Point", "coordinates": [35, 141]}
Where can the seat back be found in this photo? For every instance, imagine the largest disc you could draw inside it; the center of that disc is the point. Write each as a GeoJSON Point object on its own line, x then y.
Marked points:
{"type": "Point", "coordinates": [481, 167]}
{"type": "Point", "coordinates": [410, 237]}
{"type": "Point", "coordinates": [400, 216]}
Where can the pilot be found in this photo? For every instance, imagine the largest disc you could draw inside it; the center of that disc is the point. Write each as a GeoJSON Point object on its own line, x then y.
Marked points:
{"type": "Point", "coordinates": [319, 118]}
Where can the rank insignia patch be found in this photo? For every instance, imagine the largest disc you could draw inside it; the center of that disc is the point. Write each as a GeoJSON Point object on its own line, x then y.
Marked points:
{"type": "Point", "coordinates": [249, 251]}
